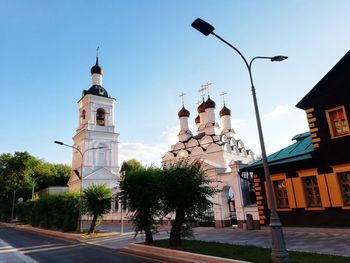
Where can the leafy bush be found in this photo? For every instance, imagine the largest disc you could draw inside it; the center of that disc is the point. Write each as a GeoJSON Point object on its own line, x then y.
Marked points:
{"type": "Point", "coordinates": [51, 211]}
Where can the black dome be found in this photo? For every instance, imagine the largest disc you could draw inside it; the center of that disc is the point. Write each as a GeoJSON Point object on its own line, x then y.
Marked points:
{"type": "Point", "coordinates": [183, 113]}
{"type": "Point", "coordinates": [225, 111]}
{"type": "Point", "coordinates": [201, 107]}
{"type": "Point", "coordinates": [96, 68]}
{"type": "Point", "coordinates": [209, 103]}
{"type": "Point", "coordinates": [96, 90]}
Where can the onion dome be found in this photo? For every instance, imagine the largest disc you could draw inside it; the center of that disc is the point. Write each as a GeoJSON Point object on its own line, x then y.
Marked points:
{"type": "Point", "coordinates": [96, 69]}
{"type": "Point", "coordinates": [225, 111]}
{"type": "Point", "coordinates": [209, 103]}
{"type": "Point", "coordinates": [197, 119]}
{"type": "Point", "coordinates": [96, 90]}
{"type": "Point", "coordinates": [183, 112]}
{"type": "Point", "coordinates": [201, 107]}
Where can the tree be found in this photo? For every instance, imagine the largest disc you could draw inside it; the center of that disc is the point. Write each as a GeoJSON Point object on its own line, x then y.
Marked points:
{"type": "Point", "coordinates": [96, 202]}
{"type": "Point", "coordinates": [131, 164]}
{"type": "Point", "coordinates": [141, 189]}
{"type": "Point", "coordinates": [186, 191]}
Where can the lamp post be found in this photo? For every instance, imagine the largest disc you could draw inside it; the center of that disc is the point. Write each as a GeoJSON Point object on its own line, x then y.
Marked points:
{"type": "Point", "coordinates": [82, 154]}
{"type": "Point", "coordinates": [33, 184]}
{"type": "Point", "coordinates": [279, 251]}
{"type": "Point", "coordinates": [13, 205]}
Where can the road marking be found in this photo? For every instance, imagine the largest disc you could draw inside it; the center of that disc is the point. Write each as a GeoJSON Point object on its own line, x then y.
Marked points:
{"type": "Point", "coordinates": [9, 252]}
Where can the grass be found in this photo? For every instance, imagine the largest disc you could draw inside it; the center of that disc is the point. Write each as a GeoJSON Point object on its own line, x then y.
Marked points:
{"type": "Point", "coordinates": [249, 253]}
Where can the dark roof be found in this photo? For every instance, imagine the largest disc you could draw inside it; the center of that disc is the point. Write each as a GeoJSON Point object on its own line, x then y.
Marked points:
{"type": "Point", "coordinates": [209, 103]}
{"type": "Point", "coordinates": [201, 107]}
{"type": "Point", "coordinates": [340, 70]}
{"type": "Point", "coordinates": [300, 150]}
{"type": "Point", "coordinates": [96, 68]}
{"type": "Point", "coordinates": [96, 90]}
{"type": "Point", "coordinates": [183, 112]}
{"type": "Point", "coordinates": [225, 111]}
{"type": "Point", "coordinates": [198, 119]}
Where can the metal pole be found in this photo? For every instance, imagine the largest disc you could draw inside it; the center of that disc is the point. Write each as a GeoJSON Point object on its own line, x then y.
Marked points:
{"type": "Point", "coordinates": [33, 189]}
{"type": "Point", "coordinates": [13, 204]}
{"type": "Point", "coordinates": [121, 219]}
{"type": "Point", "coordinates": [279, 252]}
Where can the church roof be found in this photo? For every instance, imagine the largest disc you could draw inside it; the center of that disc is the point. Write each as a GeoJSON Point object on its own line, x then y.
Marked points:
{"type": "Point", "coordinates": [183, 112]}
{"type": "Point", "coordinates": [96, 68]}
{"type": "Point", "coordinates": [96, 90]}
{"type": "Point", "coordinates": [198, 119]}
{"type": "Point", "coordinates": [209, 103]}
{"type": "Point", "coordinates": [201, 107]}
{"type": "Point", "coordinates": [225, 111]}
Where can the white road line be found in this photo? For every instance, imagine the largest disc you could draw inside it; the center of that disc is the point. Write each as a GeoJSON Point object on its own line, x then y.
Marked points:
{"type": "Point", "coordinates": [11, 254]}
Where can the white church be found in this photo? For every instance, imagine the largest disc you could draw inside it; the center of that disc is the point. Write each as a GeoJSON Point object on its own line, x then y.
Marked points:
{"type": "Point", "coordinates": [96, 138]}
{"type": "Point", "coordinates": [223, 156]}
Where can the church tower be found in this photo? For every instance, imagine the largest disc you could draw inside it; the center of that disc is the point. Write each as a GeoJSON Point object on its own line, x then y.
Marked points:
{"type": "Point", "coordinates": [95, 137]}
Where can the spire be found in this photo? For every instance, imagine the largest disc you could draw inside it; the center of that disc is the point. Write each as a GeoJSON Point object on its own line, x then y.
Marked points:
{"type": "Point", "coordinates": [96, 69]}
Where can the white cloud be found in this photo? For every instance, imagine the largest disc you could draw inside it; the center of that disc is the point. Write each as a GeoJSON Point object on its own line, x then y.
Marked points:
{"type": "Point", "coordinates": [279, 111]}
{"type": "Point", "coordinates": [169, 136]}
{"type": "Point", "coordinates": [139, 151]}
{"type": "Point", "coordinates": [149, 154]}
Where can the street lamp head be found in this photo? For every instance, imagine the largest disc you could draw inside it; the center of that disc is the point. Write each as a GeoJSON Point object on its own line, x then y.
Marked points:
{"type": "Point", "coordinates": [58, 142]}
{"type": "Point", "coordinates": [278, 58]}
{"type": "Point", "coordinates": [202, 26]}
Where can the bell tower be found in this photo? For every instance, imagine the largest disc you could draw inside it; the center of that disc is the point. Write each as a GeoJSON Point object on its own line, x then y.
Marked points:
{"type": "Point", "coordinates": [95, 137]}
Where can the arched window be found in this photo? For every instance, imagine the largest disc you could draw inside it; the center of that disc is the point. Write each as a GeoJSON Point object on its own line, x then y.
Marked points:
{"type": "Point", "coordinates": [82, 116]}
{"type": "Point", "coordinates": [100, 117]}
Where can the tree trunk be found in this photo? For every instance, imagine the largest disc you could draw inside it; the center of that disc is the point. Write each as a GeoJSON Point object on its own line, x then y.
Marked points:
{"type": "Point", "coordinates": [149, 236]}
{"type": "Point", "coordinates": [93, 224]}
{"type": "Point", "coordinates": [175, 233]}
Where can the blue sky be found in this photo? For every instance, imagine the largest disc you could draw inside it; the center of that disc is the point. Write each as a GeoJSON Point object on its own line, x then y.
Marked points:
{"type": "Point", "coordinates": [150, 53]}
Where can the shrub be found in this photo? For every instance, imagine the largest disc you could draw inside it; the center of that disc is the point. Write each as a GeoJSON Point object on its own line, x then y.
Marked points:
{"type": "Point", "coordinates": [52, 211]}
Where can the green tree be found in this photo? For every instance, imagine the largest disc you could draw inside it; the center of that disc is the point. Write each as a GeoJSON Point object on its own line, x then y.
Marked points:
{"type": "Point", "coordinates": [140, 189]}
{"type": "Point", "coordinates": [96, 201]}
{"type": "Point", "coordinates": [186, 191]}
{"type": "Point", "coordinates": [131, 164]}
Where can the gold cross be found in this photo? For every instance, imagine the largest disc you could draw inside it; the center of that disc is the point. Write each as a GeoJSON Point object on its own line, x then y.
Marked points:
{"type": "Point", "coordinates": [223, 96]}
{"type": "Point", "coordinates": [97, 50]}
{"type": "Point", "coordinates": [182, 94]}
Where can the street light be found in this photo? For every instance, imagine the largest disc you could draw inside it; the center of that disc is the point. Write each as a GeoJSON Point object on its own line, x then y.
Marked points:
{"type": "Point", "coordinates": [279, 251]}
{"type": "Point", "coordinates": [80, 223]}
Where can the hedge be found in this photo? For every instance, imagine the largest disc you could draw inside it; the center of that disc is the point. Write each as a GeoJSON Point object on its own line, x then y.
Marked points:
{"type": "Point", "coordinates": [52, 212]}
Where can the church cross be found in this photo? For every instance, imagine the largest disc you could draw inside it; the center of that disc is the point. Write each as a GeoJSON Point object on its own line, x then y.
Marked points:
{"type": "Point", "coordinates": [206, 85]}
{"type": "Point", "coordinates": [182, 94]}
{"type": "Point", "coordinates": [97, 51]}
{"type": "Point", "coordinates": [202, 90]}
{"type": "Point", "coordinates": [223, 96]}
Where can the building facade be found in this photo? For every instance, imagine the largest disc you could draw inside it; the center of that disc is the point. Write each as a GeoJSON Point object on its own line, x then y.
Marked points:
{"type": "Point", "coordinates": [222, 156]}
{"type": "Point", "coordinates": [311, 178]}
{"type": "Point", "coordinates": [96, 138]}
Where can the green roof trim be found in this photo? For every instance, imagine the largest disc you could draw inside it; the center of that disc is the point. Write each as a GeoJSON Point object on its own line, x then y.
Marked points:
{"type": "Point", "coordinates": [300, 150]}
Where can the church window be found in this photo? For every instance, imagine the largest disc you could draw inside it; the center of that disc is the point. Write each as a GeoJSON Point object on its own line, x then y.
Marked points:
{"type": "Point", "coordinates": [344, 180]}
{"type": "Point", "coordinates": [312, 191]}
{"type": "Point", "coordinates": [281, 194]}
{"type": "Point", "coordinates": [83, 115]}
{"type": "Point", "coordinates": [100, 117]}
{"type": "Point", "coordinates": [101, 91]}
{"type": "Point", "coordinates": [337, 122]}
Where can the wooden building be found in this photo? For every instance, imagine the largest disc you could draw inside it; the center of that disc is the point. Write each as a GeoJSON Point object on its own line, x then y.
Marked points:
{"type": "Point", "coordinates": [311, 177]}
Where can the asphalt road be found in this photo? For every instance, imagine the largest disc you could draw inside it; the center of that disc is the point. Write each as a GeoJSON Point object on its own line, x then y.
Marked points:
{"type": "Point", "coordinates": [20, 246]}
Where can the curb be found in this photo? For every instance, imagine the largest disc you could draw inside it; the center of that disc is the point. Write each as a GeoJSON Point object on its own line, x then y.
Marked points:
{"type": "Point", "coordinates": [46, 232]}
{"type": "Point", "coordinates": [174, 256]}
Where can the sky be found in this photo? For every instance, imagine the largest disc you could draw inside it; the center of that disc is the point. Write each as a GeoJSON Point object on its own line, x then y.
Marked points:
{"type": "Point", "coordinates": [150, 54]}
